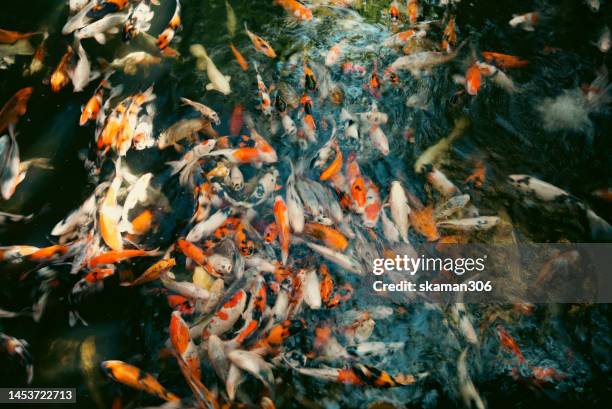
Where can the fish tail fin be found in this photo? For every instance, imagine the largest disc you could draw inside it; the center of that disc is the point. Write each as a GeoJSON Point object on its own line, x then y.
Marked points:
{"type": "Point", "coordinates": [41, 163]}
{"type": "Point", "coordinates": [176, 165]}
{"type": "Point", "coordinates": [600, 229]}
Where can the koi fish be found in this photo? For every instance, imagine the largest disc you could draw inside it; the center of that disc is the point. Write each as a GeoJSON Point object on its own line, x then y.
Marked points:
{"type": "Point", "coordinates": [14, 108]}
{"type": "Point", "coordinates": [185, 288]}
{"type": "Point", "coordinates": [259, 43]}
{"type": "Point", "coordinates": [327, 235]}
{"type": "Point", "coordinates": [345, 261]}
{"type": "Point", "coordinates": [473, 79]}
{"type": "Point", "coordinates": [440, 182]}
{"type": "Point", "coordinates": [152, 273]}
{"type": "Point", "coordinates": [373, 206]}
{"type": "Point", "coordinates": [218, 81]}
{"type": "Point", "coordinates": [231, 19]}
{"type": "Point", "coordinates": [254, 313]}
{"type": "Point", "coordinates": [236, 120]}
{"type": "Point", "coordinates": [509, 343]}
{"type": "Point", "coordinates": [265, 102]}
{"type": "Point", "coordinates": [468, 391]}
{"type": "Point", "coordinates": [295, 9]}
{"type": "Point", "coordinates": [403, 38]}
{"type": "Point", "coordinates": [60, 76]}
{"type": "Point", "coordinates": [81, 74]}
{"type": "Point", "coordinates": [469, 224]}
{"type": "Point", "coordinates": [239, 58]}
{"type": "Point", "coordinates": [133, 377]}
{"type": "Point", "coordinates": [206, 112]}
{"type": "Point", "coordinates": [423, 60]}
{"type": "Point", "coordinates": [424, 223]}
{"type": "Point", "coordinates": [91, 109]}
{"type": "Point", "coordinates": [281, 218]}
{"type": "Point", "coordinates": [9, 165]}
{"type": "Point", "coordinates": [477, 177]}
{"type": "Point", "coordinates": [604, 40]}
{"type": "Point", "coordinates": [400, 210]}
{"type": "Point", "coordinates": [11, 37]}
{"type": "Point", "coordinates": [225, 318]}
{"type": "Point", "coordinates": [295, 208]}
{"type": "Point", "coordinates": [253, 363]}
{"type": "Point", "coordinates": [130, 63]}
{"type": "Point", "coordinates": [356, 183]}
{"type": "Point", "coordinates": [97, 29]}
{"type": "Point", "coordinates": [450, 35]}
{"type": "Point", "coordinates": [451, 206]}
{"type": "Point", "coordinates": [526, 21]}
{"type": "Point", "coordinates": [113, 256]}
{"type": "Point", "coordinates": [413, 11]}
{"type": "Point", "coordinates": [138, 21]}
{"type": "Point", "coordinates": [504, 60]}
{"type": "Point", "coordinates": [183, 345]}
{"type": "Point", "coordinates": [18, 348]}
{"type": "Point", "coordinates": [164, 39]}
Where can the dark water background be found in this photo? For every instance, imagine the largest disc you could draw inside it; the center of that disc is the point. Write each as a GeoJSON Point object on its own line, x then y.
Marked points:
{"type": "Point", "coordinates": [506, 134]}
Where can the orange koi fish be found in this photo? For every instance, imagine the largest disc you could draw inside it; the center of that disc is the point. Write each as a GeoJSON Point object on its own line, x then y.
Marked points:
{"type": "Point", "coordinates": [504, 60]}
{"type": "Point", "coordinates": [14, 108]}
{"type": "Point", "coordinates": [394, 11]}
{"type": "Point", "coordinates": [192, 251]}
{"type": "Point", "coordinates": [133, 377]}
{"type": "Point", "coordinates": [60, 77]}
{"type": "Point", "coordinates": [473, 79]}
{"type": "Point", "coordinates": [449, 35]}
{"type": "Point", "coordinates": [413, 11]}
{"type": "Point", "coordinates": [279, 333]}
{"type": "Point", "coordinates": [181, 304]}
{"type": "Point", "coordinates": [91, 110]}
{"type": "Point", "coordinates": [236, 120]}
{"type": "Point", "coordinates": [152, 273]}
{"type": "Point", "coordinates": [112, 257]}
{"type": "Point", "coordinates": [295, 9]}
{"type": "Point", "coordinates": [335, 166]}
{"type": "Point", "coordinates": [509, 343]}
{"type": "Point", "coordinates": [282, 223]}
{"type": "Point", "coordinates": [327, 284]}
{"type": "Point", "coordinates": [356, 184]}
{"type": "Point", "coordinates": [142, 223]}
{"type": "Point", "coordinates": [327, 235]}
{"type": "Point", "coordinates": [373, 205]}
{"type": "Point", "coordinates": [184, 346]}
{"type": "Point", "coordinates": [239, 58]}
{"type": "Point", "coordinates": [164, 39]}
{"type": "Point", "coordinates": [260, 44]}
{"type": "Point", "coordinates": [10, 37]}
{"type": "Point", "coordinates": [49, 253]}
{"type": "Point", "coordinates": [477, 177]}
{"type": "Point", "coordinates": [109, 217]}
{"type": "Point", "coordinates": [424, 223]}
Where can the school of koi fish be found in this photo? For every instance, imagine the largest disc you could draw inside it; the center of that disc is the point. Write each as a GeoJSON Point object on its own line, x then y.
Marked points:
{"type": "Point", "coordinates": [243, 211]}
